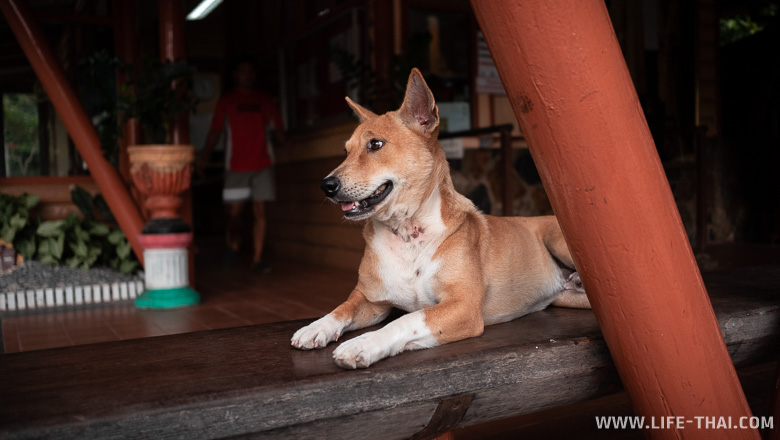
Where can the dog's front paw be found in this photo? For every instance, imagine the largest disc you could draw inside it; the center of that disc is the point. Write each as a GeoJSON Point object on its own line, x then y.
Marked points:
{"type": "Point", "coordinates": [360, 352]}
{"type": "Point", "coordinates": [317, 334]}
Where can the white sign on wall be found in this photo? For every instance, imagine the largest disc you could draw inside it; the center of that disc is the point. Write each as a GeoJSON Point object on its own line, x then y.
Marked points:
{"type": "Point", "coordinates": [453, 148]}
{"type": "Point", "coordinates": [488, 81]}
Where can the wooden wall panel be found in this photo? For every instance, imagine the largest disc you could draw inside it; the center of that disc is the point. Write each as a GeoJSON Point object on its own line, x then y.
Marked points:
{"type": "Point", "coordinates": [54, 193]}
{"type": "Point", "coordinates": [335, 236]}
{"type": "Point", "coordinates": [50, 189]}
{"type": "Point", "coordinates": [309, 171]}
{"type": "Point", "coordinates": [345, 259]}
{"type": "Point", "coordinates": [302, 224]}
{"type": "Point", "coordinates": [304, 212]}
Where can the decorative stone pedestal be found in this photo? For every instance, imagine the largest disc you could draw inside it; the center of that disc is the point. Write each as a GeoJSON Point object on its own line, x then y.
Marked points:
{"type": "Point", "coordinates": [167, 278]}
{"type": "Point", "coordinates": [162, 173]}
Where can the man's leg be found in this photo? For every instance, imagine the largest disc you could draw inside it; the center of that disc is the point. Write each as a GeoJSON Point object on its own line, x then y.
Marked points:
{"type": "Point", "coordinates": [258, 230]}
{"type": "Point", "coordinates": [233, 227]}
{"type": "Point", "coordinates": [233, 231]}
{"type": "Point", "coordinates": [235, 194]}
{"type": "Point", "coordinates": [263, 190]}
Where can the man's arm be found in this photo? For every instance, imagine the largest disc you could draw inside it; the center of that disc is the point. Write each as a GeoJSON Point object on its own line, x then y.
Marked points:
{"type": "Point", "coordinates": [211, 141]}
{"type": "Point", "coordinates": [216, 128]}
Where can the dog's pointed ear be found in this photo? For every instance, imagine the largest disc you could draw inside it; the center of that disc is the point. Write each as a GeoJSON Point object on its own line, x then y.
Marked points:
{"type": "Point", "coordinates": [419, 110]}
{"type": "Point", "coordinates": [361, 112]}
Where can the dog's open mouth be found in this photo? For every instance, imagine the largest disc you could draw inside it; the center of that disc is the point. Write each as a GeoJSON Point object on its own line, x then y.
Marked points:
{"type": "Point", "coordinates": [361, 207]}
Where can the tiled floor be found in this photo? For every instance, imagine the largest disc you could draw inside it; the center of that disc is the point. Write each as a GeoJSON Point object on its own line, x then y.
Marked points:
{"type": "Point", "coordinates": [235, 297]}
{"type": "Point", "coordinates": [229, 298]}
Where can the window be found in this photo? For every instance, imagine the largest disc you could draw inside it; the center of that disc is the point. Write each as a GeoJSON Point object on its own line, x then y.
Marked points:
{"type": "Point", "coordinates": [440, 45]}
{"type": "Point", "coordinates": [21, 146]}
{"type": "Point", "coordinates": [316, 85]}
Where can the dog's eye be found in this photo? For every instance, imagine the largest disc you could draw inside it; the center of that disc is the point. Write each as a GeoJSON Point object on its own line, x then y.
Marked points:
{"type": "Point", "coordinates": [375, 144]}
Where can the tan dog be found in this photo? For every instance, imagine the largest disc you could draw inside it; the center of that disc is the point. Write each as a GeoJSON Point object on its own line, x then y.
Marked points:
{"type": "Point", "coordinates": [429, 251]}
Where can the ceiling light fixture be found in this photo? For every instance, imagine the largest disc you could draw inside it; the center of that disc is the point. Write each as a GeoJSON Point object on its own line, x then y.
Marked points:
{"type": "Point", "coordinates": [203, 9]}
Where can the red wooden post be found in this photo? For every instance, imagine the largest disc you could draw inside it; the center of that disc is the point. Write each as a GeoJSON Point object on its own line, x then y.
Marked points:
{"type": "Point", "coordinates": [52, 77]}
{"type": "Point", "coordinates": [571, 91]}
{"type": "Point", "coordinates": [773, 433]}
{"type": "Point", "coordinates": [172, 48]}
{"type": "Point", "coordinates": [126, 44]}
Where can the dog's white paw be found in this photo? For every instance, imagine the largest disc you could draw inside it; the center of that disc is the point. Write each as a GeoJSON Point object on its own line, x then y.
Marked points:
{"type": "Point", "coordinates": [360, 352]}
{"type": "Point", "coordinates": [317, 334]}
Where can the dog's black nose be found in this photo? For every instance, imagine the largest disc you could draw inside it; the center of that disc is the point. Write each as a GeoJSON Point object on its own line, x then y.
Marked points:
{"type": "Point", "coordinates": [330, 185]}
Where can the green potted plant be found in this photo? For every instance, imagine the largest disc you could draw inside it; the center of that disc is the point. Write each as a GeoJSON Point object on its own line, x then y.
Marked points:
{"type": "Point", "coordinates": [153, 97]}
{"type": "Point", "coordinates": [79, 242]}
{"type": "Point", "coordinates": [161, 171]}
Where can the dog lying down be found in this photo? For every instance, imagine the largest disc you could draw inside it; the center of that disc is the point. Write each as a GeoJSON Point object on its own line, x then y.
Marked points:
{"type": "Point", "coordinates": [429, 251]}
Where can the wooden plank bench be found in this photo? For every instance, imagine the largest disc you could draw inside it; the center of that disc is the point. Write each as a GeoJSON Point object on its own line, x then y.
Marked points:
{"type": "Point", "coordinates": [249, 382]}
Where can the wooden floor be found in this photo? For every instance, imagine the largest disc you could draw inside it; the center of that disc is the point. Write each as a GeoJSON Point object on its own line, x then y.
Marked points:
{"type": "Point", "coordinates": [229, 298]}
{"type": "Point", "coordinates": [561, 423]}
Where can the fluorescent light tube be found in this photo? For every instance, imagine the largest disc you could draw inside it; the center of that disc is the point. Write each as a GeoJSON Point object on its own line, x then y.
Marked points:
{"type": "Point", "coordinates": [203, 9]}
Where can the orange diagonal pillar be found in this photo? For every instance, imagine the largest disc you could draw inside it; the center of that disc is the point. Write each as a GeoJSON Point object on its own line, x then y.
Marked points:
{"type": "Point", "coordinates": [570, 89]}
{"type": "Point", "coordinates": [62, 96]}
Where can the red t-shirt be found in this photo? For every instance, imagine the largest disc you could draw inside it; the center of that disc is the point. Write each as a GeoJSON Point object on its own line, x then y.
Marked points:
{"type": "Point", "coordinates": [247, 114]}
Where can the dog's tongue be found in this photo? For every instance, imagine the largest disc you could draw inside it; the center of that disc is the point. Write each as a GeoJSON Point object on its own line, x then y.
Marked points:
{"type": "Point", "coordinates": [346, 206]}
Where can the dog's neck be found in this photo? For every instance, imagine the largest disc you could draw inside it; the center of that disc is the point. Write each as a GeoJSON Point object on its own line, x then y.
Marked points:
{"type": "Point", "coordinates": [411, 226]}
{"type": "Point", "coordinates": [429, 217]}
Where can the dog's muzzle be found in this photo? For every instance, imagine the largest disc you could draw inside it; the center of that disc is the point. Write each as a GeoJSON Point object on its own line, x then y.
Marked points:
{"type": "Point", "coordinates": [354, 209]}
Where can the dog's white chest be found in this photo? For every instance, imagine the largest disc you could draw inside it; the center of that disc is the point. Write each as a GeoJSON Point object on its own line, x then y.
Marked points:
{"type": "Point", "coordinates": [407, 270]}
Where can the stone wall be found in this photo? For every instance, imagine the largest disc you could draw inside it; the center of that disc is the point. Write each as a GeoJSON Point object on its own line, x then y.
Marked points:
{"type": "Point", "coordinates": [478, 176]}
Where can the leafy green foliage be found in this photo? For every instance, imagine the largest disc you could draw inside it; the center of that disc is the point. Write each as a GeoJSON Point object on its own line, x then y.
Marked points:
{"type": "Point", "coordinates": [83, 200]}
{"type": "Point", "coordinates": [18, 229]}
{"type": "Point", "coordinates": [160, 95]}
{"type": "Point", "coordinates": [755, 20]}
{"type": "Point", "coordinates": [154, 94]}
{"type": "Point", "coordinates": [92, 208]}
{"type": "Point", "coordinates": [50, 228]}
{"type": "Point", "coordinates": [78, 242]}
{"type": "Point", "coordinates": [97, 78]}
{"type": "Point", "coordinates": [103, 209]}
{"type": "Point", "coordinates": [373, 92]}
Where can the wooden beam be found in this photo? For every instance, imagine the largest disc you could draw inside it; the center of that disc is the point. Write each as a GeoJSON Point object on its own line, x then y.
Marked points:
{"type": "Point", "coordinates": [249, 381]}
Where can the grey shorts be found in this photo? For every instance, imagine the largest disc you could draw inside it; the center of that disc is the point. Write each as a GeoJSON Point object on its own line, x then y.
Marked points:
{"type": "Point", "coordinates": [257, 185]}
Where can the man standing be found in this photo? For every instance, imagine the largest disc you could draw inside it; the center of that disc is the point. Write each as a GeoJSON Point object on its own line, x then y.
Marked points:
{"type": "Point", "coordinates": [247, 115]}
